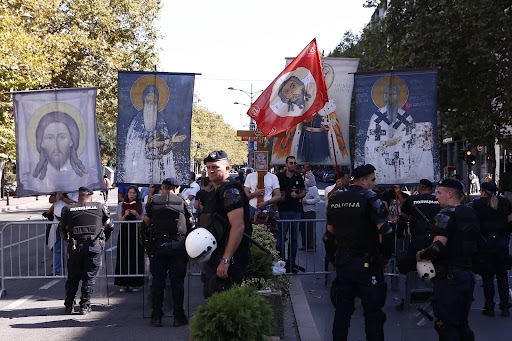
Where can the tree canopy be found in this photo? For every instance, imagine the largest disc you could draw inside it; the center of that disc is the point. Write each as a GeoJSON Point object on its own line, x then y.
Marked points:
{"type": "Point", "coordinates": [212, 133]}
{"type": "Point", "coordinates": [74, 43]}
{"type": "Point", "coordinates": [470, 43]}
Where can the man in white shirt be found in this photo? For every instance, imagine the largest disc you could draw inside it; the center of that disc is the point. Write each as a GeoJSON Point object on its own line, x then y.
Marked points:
{"type": "Point", "coordinates": [340, 185]}
{"type": "Point", "coordinates": [190, 193]}
{"type": "Point", "coordinates": [271, 194]}
{"type": "Point", "coordinates": [59, 200]}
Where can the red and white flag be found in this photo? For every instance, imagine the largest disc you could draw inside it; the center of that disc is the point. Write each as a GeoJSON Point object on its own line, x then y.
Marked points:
{"type": "Point", "coordinates": [295, 95]}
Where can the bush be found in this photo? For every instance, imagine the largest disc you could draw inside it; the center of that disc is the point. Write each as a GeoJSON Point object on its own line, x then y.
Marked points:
{"type": "Point", "coordinates": [236, 314]}
{"type": "Point", "coordinates": [260, 265]}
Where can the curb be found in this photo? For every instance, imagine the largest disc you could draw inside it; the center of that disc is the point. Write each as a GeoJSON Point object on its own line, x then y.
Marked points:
{"type": "Point", "coordinates": [305, 322]}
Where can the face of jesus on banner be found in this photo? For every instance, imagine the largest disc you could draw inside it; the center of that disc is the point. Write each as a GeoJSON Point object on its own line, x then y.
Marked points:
{"type": "Point", "coordinates": [57, 141]}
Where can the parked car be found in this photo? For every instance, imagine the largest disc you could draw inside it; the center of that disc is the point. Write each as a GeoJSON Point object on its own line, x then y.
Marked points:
{"type": "Point", "coordinates": [329, 177]}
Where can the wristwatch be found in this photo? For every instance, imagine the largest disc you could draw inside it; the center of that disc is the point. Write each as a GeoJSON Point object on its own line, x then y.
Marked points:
{"type": "Point", "coordinates": [225, 261]}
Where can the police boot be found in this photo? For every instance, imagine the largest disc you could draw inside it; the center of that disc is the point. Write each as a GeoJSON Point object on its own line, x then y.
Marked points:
{"type": "Point", "coordinates": [505, 310]}
{"type": "Point", "coordinates": [180, 320]}
{"type": "Point", "coordinates": [488, 310]}
{"type": "Point", "coordinates": [70, 308]}
{"type": "Point", "coordinates": [85, 309]}
{"type": "Point", "coordinates": [156, 321]}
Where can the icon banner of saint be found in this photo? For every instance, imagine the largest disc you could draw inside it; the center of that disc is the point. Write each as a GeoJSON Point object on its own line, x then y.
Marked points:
{"type": "Point", "coordinates": [396, 125]}
{"type": "Point", "coordinates": [153, 127]}
{"type": "Point", "coordinates": [57, 148]}
{"type": "Point", "coordinates": [323, 138]}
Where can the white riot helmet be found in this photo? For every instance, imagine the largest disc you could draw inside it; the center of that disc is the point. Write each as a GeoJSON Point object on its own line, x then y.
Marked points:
{"type": "Point", "coordinates": [200, 244]}
{"type": "Point", "coordinates": [426, 270]}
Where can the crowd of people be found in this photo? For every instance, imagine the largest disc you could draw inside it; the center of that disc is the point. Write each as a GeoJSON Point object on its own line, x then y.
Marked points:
{"type": "Point", "coordinates": [457, 238]}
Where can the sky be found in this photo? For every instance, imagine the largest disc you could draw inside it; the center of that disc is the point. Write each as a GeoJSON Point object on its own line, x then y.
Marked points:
{"type": "Point", "coordinates": [242, 43]}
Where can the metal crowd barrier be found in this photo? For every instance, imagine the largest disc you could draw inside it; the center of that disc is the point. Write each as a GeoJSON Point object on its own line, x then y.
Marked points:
{"type": "Point", "coordinates": [315, 261]}
{"type": "Point", "coordinates": [25, 255]}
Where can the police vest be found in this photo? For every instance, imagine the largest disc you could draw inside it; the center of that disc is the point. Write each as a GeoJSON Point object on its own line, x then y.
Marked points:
{"type": "Point", "coordinates": [463, 235]}
{"type": "Point", "coordinates": [429, 206]}
{"type": "Point", "coordinates": [350, 214]}
{"type": "Point", "coordinates": [85, 220]}
{"type": "Point", "coordinates": [214, 215]}
{"type": "Point", "coordinates": [168, 215]}
{"type": "Point", "coordinates": [492, 221]}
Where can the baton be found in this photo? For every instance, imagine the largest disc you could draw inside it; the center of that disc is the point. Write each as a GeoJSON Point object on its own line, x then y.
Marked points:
{"type": "Point", "coordinates": [225, 222]}
{"type": "Point", "coordinates": [421, 214]}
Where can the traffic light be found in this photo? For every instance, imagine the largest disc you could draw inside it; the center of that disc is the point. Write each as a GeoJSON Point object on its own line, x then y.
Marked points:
{"type": "Point", "coordinates": [470, 158]}
{"type": "Point", "coordinates": [461, 154]}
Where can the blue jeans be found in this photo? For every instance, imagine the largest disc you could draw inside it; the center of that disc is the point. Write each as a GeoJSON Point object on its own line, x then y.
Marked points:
{"type": "Point", "coordinates": [57, 254]}
{"type": "Point", "coordinates": [282, 232]}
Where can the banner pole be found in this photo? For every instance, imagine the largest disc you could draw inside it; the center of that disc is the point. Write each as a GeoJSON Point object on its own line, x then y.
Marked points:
{"type": "Point", "coordinates": [335, 158]}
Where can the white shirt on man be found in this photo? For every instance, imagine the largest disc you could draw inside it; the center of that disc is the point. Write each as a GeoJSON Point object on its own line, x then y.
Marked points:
{"type": "Point", "coordinates": [271, 183]}
{"type": "Point", "coordinates": [192, 190]}
{"type": "Point", "coordinates": [58, 204]}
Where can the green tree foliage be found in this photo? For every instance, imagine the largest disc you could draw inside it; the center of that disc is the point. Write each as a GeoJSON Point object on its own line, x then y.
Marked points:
{"type": "Point", "coordinates": [74, 43]}
{"type": "Point", "coordinates": [212, 133]}
{"type": "Point", "coordinates": [470, 42]}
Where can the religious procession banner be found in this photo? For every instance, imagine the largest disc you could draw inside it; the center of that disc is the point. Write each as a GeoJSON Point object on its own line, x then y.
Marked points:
{"type": "Point", "coordinates": [57, 148]}
{"type": "Point", "coordinates": [296, 94]}
{"type": "Point", "coordinates": [323, 138]}
{"type": "Point", "coordinates": [396, 125]}
{"type": "Point", "coordinates": [153, 127]}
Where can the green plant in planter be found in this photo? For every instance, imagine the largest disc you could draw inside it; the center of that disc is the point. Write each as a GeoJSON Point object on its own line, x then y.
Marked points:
{"type": "Point", "coordinates": [259, 271]}
{"type": "Point", "coordinates": [236, 314]}
{"type": "Point", "coordinates": [506, 182]}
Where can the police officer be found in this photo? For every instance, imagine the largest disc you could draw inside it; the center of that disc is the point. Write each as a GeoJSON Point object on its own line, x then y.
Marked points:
{"type": "Point", "coordinates": [420, 210]}
{"type": "Point", "coordinates": [226, 215]}
{"type": "Point", "coordinates": [456, 231]}
{"type": "Point", "coordinates": [494, 213]}
{"type": "Point", "coordinates": [357, 231]}
{"type": "Point", "coordinates": [85, 226]}
{"type": "Point", "coordinates": [169, 218]}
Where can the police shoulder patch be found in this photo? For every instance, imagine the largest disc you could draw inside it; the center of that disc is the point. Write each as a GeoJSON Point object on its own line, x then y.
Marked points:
{"type": "Point", "coordinates": [232, 197]}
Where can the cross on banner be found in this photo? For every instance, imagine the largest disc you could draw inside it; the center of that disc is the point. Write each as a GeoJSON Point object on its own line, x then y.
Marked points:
{"type": "Point", "coordinates": [260, 137]}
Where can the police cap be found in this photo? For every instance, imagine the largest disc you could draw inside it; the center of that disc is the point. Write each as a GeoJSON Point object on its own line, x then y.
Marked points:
{"type": "Point", "coordinates": [426, 183]}
{"type": "Point", "coordinates": [171, 182]}
{"type": "Point", "coordinates": [489, 186]}
{"type": "Point", "coordinates": [85, 190]}
{"type": "Point", "coordinates": [363, 170]}
{"type": "Point", "coordinates": [216, 155]}
{"type": "Point", "coordinates": [450, 183]}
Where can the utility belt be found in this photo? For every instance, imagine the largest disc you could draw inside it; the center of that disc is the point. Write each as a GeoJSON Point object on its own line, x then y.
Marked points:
{"type": "Point", "coordinates": [421, 236]}
{"type": "Point", "coordinates": [449, 272]}
{"type": "Point", "coordinates": [496, 236]}
{"type": "Point", "coordinates": [167, 237]}
{"type": "Point", "coordinates": [366, 259]}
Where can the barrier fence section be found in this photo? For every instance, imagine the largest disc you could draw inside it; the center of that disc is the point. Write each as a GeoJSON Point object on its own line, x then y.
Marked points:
{"type": "Point", "coordinates": [25, 253]}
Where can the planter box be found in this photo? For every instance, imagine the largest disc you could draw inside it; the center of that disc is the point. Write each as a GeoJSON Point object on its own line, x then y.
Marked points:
{"type": "Point", "coordinates": [275, 300]}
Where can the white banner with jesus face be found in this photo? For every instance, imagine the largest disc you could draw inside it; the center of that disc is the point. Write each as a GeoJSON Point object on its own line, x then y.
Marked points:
{"type": "Point", "coordinates": [57, 148]}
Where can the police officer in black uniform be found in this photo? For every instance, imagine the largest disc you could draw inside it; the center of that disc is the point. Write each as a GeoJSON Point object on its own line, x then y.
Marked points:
{"type": "Point", "coordinates": [85, 226]}
{"type": "Point", "coordinates": [420, 210]}
{"type": "Point", "coordinates": [494, 214]}
{"type": "Point", "coordinates": [456, 231]}
{"type": "Point", "coordinates": [226, 215]}
{"type": "Point", "coordinates": [169, 218]}
{"type": "Point", "coordinates": [358, 241]}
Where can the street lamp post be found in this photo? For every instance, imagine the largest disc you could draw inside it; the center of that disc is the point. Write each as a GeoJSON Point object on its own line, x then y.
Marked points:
{"type": "Point", "coordinates": [252, 125]}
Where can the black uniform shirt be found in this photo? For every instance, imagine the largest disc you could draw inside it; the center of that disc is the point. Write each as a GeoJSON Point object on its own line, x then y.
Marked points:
{"type": "Point", "coordinates": [289, 185]}
{"type": "Point", "coordinates": [428, 205]}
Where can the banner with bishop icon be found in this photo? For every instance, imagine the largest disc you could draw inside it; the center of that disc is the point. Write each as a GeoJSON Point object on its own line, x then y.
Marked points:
{"type": "Point", "coordinates": [323, 138]}
{"type": "Point", "coordinates": [396, 125]}
{"type": "Point", "coordinates": [154, 127]}
{"type": "Point", "coordinates": [57, 148]}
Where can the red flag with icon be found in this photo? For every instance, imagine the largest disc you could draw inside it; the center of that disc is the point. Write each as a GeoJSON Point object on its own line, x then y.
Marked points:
{"type": "Point", "coordinates": [295, 95]}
